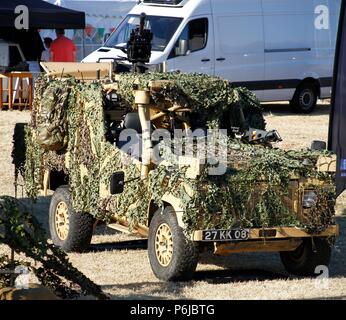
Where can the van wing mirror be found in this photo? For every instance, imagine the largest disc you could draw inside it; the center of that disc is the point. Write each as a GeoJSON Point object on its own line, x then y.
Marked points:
{"type": "Point", "coordinates": [117, 182]}
{"type": "Point", "coordinates": [105, 37]}
{"type": "Point", "coordinates": [183, 48]}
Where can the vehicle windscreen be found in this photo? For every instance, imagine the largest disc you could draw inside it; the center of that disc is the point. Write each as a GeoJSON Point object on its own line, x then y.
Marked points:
{"type": "Point", "coordinates": [163, 29]}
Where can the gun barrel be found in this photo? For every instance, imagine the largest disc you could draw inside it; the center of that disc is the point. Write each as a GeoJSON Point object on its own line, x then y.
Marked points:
{"type": "Point", "coordinates": [142, 23]}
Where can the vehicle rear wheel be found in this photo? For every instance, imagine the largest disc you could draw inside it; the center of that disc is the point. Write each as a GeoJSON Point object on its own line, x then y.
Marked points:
{"type": "Point", "coordinates": [305, 98]}
{"type": "Point", "coordinates": [309, 255]}
{"type": "Point", "coordinates": [256, 120]}
{"type": "Point", "coordinates": [172, 256]}
{"type": "Point", "coordinates": [69, 230]}
{"type": "Point", "coordinates": [253, 118]}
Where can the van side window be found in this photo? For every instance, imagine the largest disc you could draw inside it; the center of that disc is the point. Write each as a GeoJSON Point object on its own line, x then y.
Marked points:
{"type": "Point", "coordinates": [194, 37]}
{"type": "Point", "coordinates": [198, 34]}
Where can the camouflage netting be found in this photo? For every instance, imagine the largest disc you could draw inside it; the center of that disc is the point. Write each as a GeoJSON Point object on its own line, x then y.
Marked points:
{"type": "Point", "coordinates": [253, 190]}
{"type": "Point", "coordinates": [211, 98]}
{"type": "Point", "coordinates": [250, 195]}
{"type": "Point", "coordinates": [22, 233]}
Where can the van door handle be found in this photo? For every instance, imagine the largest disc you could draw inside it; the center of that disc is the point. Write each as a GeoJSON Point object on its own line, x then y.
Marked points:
{"type": "Point", "coordinates": [205, 60]}
{"type": "Point", "coordinates": [220, 59]}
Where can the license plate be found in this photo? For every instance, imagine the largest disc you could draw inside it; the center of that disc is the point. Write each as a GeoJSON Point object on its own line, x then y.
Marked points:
{"type": "Point", "coordinates": [226, 235]}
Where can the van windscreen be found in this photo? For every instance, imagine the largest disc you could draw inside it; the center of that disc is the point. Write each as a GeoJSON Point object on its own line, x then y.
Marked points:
{"type": "Point", "coordinates": [163, 29]}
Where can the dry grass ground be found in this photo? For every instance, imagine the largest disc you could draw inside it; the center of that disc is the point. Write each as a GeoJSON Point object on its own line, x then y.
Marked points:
{"type": "Point", "coordinates": [122, 268]}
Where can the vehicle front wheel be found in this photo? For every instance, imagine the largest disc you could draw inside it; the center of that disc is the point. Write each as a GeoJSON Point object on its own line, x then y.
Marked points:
{"type": "Point", "coordinates": [307, 257]}
{"type": "Point", "coordinates": [70, 230]}
{"type": "Point", "coordinates": [172, 256]}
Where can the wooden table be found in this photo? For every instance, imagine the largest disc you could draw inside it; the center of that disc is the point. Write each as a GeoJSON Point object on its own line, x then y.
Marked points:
{"type": "Point", "coordinates": [18, 90]}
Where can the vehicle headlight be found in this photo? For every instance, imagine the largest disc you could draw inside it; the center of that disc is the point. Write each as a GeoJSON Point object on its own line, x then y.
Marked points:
{"type": "Point", "coordinates": [309, 199]}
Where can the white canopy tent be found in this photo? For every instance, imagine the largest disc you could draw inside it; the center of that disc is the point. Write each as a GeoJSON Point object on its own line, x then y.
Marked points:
{"type": "Point", "coordinates": [102, 17]}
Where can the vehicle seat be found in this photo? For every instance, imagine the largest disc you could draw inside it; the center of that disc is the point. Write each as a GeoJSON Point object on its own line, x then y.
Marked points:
{"type": "Point", "coordinates": [133, 145]}
{"type": "Point", "coordinates": [132, 121]}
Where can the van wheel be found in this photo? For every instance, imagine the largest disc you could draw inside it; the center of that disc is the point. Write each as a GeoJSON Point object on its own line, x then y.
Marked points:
{"type": "Point", "coordinates": [305, 98]}
{"type": "Point", "coordinates": [172, 256]}
{"type": "Point", "coordinates": [310, 254]}
{"type": "Point", "coordinates": [69, 230]}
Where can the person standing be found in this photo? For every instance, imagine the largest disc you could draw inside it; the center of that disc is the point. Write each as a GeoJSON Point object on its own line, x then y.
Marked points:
{"type": "Point", "coordinates": [62, 48]}
{"type": "Point", "coordinates": [45, 56]}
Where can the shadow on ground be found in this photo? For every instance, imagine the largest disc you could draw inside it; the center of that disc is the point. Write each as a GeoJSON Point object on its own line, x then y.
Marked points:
{"type": "Point", "coordinates": [328, 298]}
{"type": "Point", "coordinates": [237, 275]}
{"type": "Point", "coordinates": [118, 246]}
{"type": "Point", "coordinates": [39, 208]}
{"type": "Point", "coordinates": [156, 290]}
{"type": "Point", "coordinates": [235, 268]}
{"type": "Point", "coordinates": [285, 110]}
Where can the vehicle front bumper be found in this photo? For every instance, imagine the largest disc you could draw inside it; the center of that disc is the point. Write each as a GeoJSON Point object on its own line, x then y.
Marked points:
{"type": "Point", "coordinates": [275, 233]}
{"type": "Point", "coordinates": [265, 240]}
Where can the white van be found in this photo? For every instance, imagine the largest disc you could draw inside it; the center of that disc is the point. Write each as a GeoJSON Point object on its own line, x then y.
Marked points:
{"type": "Point", "coordinates": [10, 54]}
{"type": "Point", "coordinates": [280, 49]}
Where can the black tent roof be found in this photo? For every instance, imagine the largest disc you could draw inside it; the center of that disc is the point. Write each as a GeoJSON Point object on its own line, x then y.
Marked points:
{"type": "Point", "coordinates": [42, 15]}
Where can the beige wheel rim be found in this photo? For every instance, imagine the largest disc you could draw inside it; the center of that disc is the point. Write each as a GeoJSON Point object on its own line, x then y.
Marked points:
{"type": "Point", "coordinates": [62, 221]}
{"type": "Point", "coordinates": [164, 244]}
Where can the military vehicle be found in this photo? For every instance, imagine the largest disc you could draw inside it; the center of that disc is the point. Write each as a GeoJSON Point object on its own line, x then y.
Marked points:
{"type": "Point", "coordinates": [94, 179]}
{"type": "Point", "coordinates": [263, 200]}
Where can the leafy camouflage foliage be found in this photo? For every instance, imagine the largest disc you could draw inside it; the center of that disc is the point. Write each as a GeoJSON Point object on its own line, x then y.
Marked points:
{"type": "Point", "coordinates": [250, 194]}
{"type": "Point", "coordinates": [22, 233]}
{"type": "Point", "coordinates": [253, 190]}
{"type": "Point", "coordinates": [211, 99]}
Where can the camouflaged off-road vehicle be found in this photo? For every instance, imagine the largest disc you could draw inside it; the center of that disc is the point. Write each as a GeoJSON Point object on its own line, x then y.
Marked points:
{"type": "Point", "coordinates": [265, 199]}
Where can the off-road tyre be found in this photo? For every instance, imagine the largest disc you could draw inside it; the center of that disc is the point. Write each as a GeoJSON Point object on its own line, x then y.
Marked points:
{"type": "Point", "coordinates": [253, 118]}
{"type": "Point", "coordinates": [305, 98]}
{"type": "Point", "coordinates": [184, 253]}
{"type": "Point", "coordinates": [309, 255]}
{"type": "Point", "coordinates": [80, 225]}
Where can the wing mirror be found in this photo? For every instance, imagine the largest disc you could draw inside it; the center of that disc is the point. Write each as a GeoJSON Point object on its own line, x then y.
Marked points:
{"type": "Point", "coordinates": [183, 48]}
{"type": "Point", "coordinates": [105, 37]}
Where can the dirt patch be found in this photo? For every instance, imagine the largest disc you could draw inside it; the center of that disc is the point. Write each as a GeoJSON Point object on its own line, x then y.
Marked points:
{"type": "Point", "coordinates": [298, 130]}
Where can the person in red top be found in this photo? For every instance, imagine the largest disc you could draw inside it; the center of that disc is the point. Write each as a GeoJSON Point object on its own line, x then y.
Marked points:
{"type": "Point", "coordinates": [62, 48]}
